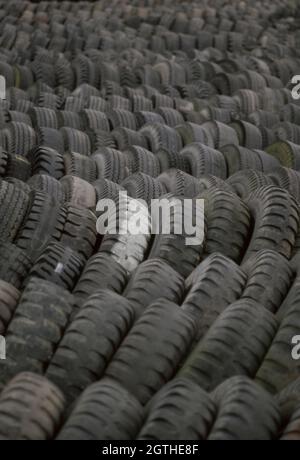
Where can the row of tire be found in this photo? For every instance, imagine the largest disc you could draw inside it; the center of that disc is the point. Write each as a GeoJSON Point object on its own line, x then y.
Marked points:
{"type": "Point", "coordinates": [160, 99]}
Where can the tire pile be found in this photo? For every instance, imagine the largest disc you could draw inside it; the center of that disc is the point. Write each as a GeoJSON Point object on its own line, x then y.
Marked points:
{"type": "Point", "coordinates": [126, 337]}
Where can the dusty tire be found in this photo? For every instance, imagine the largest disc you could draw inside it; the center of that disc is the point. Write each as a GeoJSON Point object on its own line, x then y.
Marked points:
{"type": "Point", "coordinates": [104, 412]}
{"type": "Point", "coordinates": [235, 344]}
{"type": "Point", "coordinates": [276, 220]}
{"type": "Point", "coordinates": [142, 369]}
{"type": "Point", "coordinates": [96, 331]}
{"type": "Point", "coordinates": [31, 408]}
{"type": "Point", "coordinates": [180, 410]}
{"type": "Point", "coordinates": [245, 412]}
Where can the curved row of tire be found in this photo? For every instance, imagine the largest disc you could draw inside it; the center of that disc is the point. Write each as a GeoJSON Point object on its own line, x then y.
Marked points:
{"type": "Point", "coordinates": [176, 100]}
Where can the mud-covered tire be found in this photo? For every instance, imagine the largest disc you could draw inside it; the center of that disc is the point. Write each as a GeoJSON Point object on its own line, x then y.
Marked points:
{"type": "Point", "coordinates": [31, 408]}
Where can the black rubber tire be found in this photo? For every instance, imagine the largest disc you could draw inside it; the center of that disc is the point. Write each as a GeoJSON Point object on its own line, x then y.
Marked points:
{"type": "Point", "coordinates": [18, 167]}
{"type": "Point", "coordinates": [202, 159]}
{"type": "Point", "coordinates": [31, 408]}
{"type": "Point", "coordinates": [14, 204]}
{"type": "Point", "coordinates": [127, 248]}
{"type": "Point", "coordinates": [21, 138]}
{"type": "Point", "coordinates": [245, 412]}
{"type": "Point", "coordinates": [239, 158]}
{"type": "Point", "coordinates": [46, 160]}
{"type": "Point", "coordinates": [287, 178]}
{"type": "Point", "coordinates": [79, 232]}
{"type": "Point", "coordinates": [15, 264]}
{"type": "Point", "coordinates": [143, 161]}
{"type": "Point", "coordinates": [153, 279]}
{"type": "Point", "coordinates": [79, 165]}
{"type": "Point", "coordinates": [143, 370]}
{"type": "Point", "coordinates": [276, 220]}
{"type": "Point", "coordinates": [247, 181]}
{"type": "Point", "coordinates": [111, 164]}
{"type": "Point", "coordinates": [172, 246]}
{"type": "Point", "coordinates": [96, 331]}
{"type": "Point", "coordinates": [228, 223]}
{"type": "Point", "coordinates": [126, 138]}
{"type": "Point", "coordinates": [142, 186]}
{"type": "Point", "coordinates": [194, 133]}
{"type": "Point", "coordinates": [265, 285]}
{"type": "Point", "coordinates": [58, 264]}
{"type": "Point", "coordinates": [160, 136]}
{"type": "Point", "coordinates": [107, 189]}
{"type": "Point", "coordinates": [78, 192]}
{"type": "Point", "coordinates": [105, 411]}
{"type": "Point", "coordinates": [208, 181]}
{"type": "Point", "coordinates": [101, 272]}
{"type": "Point", "coordinates": [52, 138]}
{"type": "Point", "coordinates": [44, 221]}
{"type": "Point", "coordinates": [47, 185]}
{"type": "Point", "coordinates": [179, 183]}
{"type": "Point", "coordinates": [279, 369]}
{"type": "Point", "coordinates": [36, 328]}
{"type": "Point", "coordinates": [9, 297]}
{"type": "Point", "coordinates": [181, 410]}
{"type": "Point", "coordinates": [76, 141]}
{"type": "Point", "coordinates": [206, 296]}
{"type": "Point", "coordinates": [235, 344]}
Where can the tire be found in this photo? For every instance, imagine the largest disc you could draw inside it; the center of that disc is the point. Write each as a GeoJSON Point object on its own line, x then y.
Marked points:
{"type": "Point", "coordinates": [203, 160]}
{"type": "Point", "coordinates": [248, 181]}
{"type": "Point", "coordinates": [288, 179]}
{"type": "Point", "coordinates": [14, 204]}
{"type": "Point", "coordinates": [9, 297]}
{"type": "Point", "coordinates": [172, 246]}
{"type": "Point", "coordinates": [220, 133]}
{"type": "Point", "coordinates": [36, 328]}
{"type": "Point", "coordinates": [288, 399]}
{"type": "Point", "coordinates": [93, 119]}
{"type": "Point", "coordinates": [235, 345]}
{"type": "Point", "coordinates": [111, 164]}
{"type": "Point", "coordinates": [245, 412]}
{"type": "Point", "coordinates": [43, 222]}
{"type": "Point", "coordinates": [43, 117]}
{"type": "Point", "coordinates": [276, 220]}
{"type": "Point", "coordinates": [153, 279]}
{"type": "Point", "coordinates": [79, 232]}
{"type": "Point", "coordinates": [21, 138]}
{"type": "Point", "coordinates": [192, 133]}
{"type": "Point", "coordinates": [47, 161]}
{"type": "Point", "coordinates": [105, 411]}
{"type": "Point", "coordinates": [96, 331]}
{"type": "Point", "coordinates": [179, 183]}
{"type": "Point", "coordinates": [101, 272]}
{"type": "Point", "coordinates": [141, 186]}
{"type": "Point", "coordinates": [120, 118]}
{"type": "Point", "coordinates": [15, 264]}
{"type": "Point", "coordinates": [18, 167]}
{"type": "Point", "coordinates": [265, 285]}
{"type": "Point", "coordinates": [47, 185]}
{"type": "Point", "coordinates": [181, 410]}
{"type": "Point", "coordinates": [238, 158]}
{"type": "Point", "coordinates": [292, 431]}
{"type": "Point", "coordinates": [143, 370]}
{"type": "Point", "coordinates": [69, 119]}
{"type": "Point", "coordinates": [125, 247]}
{"type": "Point", "coordinates": [81, 166]}
{"type": "Point", "coordinates": [206, 297]}
{"type": "Point", "coordinates": [249, 135]}
{"type": "Point", "coordinates": [208, 181]}
{"type": "Point", "coordinates": [106, 189]}
{"type": "Point", "coordinates": [279, 369]}
{"type": "Point", "coordinates": [31, 408]}
{"type": "Point", "coordinates": [143, 161]}
{"type": "Point", "coordinates": [287, 153]}
{"type": "Point", "coordinates": [169, 160]}
{"type": "Point", "coordinates": [160, 136]}
{"type": "Point", "coordinates": [126, 138]}
{"type": "Point", "coordinates": [78, 192]}
{"type": "Point", "coordinates": [171, 116]}
{"type": "Point", "coordinates": [51, 138]}
{"type": "Point", "coordinates": [58, 264]}
{"type": "Point", "coordinates": [3, 161]}
{"type": "Point", "coordinates": [76, 141]}
{"type": "Point", "coordinates": [228, 224]}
